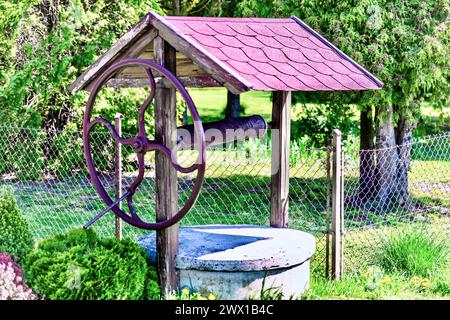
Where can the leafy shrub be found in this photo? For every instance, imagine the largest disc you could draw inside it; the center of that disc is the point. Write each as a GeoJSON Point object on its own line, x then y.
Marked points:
{"type": "Point", "coordinates": [79, 265]}
{"type": "Point", "coordinates": [15, 234]}
{"type": "Point", "coordinates": [12, 282]}
{"type": "Point", "coordinates": [415, 252]}
{"type": "Point", "coordinates": [152, 290]}
{"type": "Point", "coordinates": [312, 124]}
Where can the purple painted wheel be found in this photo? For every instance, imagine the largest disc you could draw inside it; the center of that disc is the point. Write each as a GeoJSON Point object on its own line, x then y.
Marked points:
{"type": "Point", "coordinates": [141, 145]}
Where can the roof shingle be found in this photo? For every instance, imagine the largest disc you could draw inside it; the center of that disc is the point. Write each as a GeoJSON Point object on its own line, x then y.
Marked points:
{"type": "Point", "coordinates": [276, 54]}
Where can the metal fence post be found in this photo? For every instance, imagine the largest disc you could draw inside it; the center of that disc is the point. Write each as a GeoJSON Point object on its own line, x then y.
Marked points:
{"type": "Point", "coordinates": [336, 225]}
{"type": "Point", "coordinates": [118, 174]}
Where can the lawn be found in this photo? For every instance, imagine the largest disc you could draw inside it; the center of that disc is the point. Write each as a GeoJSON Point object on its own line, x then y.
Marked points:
{"type": "Point", "coordinates": [374, 284]}
{"type": "Point", "coordinates": [211, 103]}
{"type": "Point", "coordinates": [408, 261]}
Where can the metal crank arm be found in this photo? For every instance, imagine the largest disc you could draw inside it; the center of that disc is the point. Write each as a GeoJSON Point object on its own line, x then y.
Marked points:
{"type": "Point", "coordinates": [101, 214]}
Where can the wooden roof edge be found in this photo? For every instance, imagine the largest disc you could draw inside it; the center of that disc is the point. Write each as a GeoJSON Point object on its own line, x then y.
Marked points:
{"type": "Point", "coordinates": [124, 42]}
{"type": "Point", "coordinates": [374, 79]}
{"type": "Point", "coordinates": [216, 68]}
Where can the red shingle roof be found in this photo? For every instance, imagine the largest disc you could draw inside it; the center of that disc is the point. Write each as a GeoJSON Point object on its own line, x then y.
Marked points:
{"type": "Point", "coordinates": [276, 54]}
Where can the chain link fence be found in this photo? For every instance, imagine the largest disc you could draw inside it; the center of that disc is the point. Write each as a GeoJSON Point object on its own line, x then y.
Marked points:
{"type": "Point", "coordinates": [47, 172]}
{"type": "Point", "coordinates": [386, 192]}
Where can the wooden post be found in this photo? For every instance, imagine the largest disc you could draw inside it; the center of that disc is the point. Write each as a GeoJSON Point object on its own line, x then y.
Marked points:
{"type": "Point", "coordinates": [341, 253]}
{"type": "Point", "coordinates": [336, 225]}
{"type": "Point", "coordinates": [280, 135]}
{"type": "Point", "coordinates": [118, 174]}
{"type": "Point", "coordinates": [166, 175]}
{"type": "Point", "coordinates": [328, 213]}
{"type": "Point", "coordinates": [233, 105]}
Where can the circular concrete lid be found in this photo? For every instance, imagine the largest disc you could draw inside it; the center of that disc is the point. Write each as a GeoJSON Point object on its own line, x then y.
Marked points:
{"type": "Point", "coordinates": [237, 248]}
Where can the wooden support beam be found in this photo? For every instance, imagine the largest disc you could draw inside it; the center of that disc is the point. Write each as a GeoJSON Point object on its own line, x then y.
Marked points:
{"type": "Point", "coordinates": [187, 82]}
{"type": "Point", "coordinates": [166, 175]}
{"type": "Point", "coordinates": [118, 174]}
{"type": "Point", "coordinates": [337, 208]}
{"type": "Point", "coordinates": [280, 135]}
{"type": "Point", "coordinates": [233, 109]}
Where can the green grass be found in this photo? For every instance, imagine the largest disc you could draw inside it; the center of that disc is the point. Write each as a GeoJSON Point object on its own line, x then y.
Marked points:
{"type": "Point", "coordinates": [408, 261]}
{"type": "Point", "coordinates": [414, 251]}
{"type": "Point", "coordinates": [211, 103]}
{"type": "Point", "coordinates": [376, 284]}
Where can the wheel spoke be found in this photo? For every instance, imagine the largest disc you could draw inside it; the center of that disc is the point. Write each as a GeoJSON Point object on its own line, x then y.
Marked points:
{"type": "Point", "coordinates": [156, 146]}
{"type": "Point", "coordinates": [116, 136]}
{"type": "Point", "coordinates": [147, 102]}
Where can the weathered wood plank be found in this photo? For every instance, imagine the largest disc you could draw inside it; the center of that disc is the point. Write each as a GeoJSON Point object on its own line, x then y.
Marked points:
{"type": "Point", "coordinates": [132, 52]}
{"type": "Point", "coordinates": [216, 68]}
{"type": "Point", "coordinates": [141, 44]}
{"type": "Point", "coordinates": [185, 66]}
{"type": "Point", "coordinates": [166, 175]}
{"type": "Point", "coordinates": [280, 135]}
{"type": "Point", "coordinates": [104, 61]}
{"type": "Point", "coordinates": [188, 82]}
{"type": "Point", "coordinates": [118, 174]}
{"type": "Point", "coordinates": [336, 223]}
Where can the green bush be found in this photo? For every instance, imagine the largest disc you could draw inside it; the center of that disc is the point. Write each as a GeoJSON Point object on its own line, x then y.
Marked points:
{"type": "Point", "coordinates": [415, 252]}
{"type": "Point", "coordinates": [79, 265]}
{"type": "Point", "coordinates": [15, 234]}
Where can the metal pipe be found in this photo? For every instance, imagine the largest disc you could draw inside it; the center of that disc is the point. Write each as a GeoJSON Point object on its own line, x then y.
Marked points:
{"type": "Point", "coordinates": [224, 131]}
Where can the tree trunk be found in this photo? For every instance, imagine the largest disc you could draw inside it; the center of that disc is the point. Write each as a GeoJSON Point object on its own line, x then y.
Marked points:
{"type": "Point", "coordinates": [366, 156]}
{"type": "Point", "coordinates": [233, 106]}
{"type": "Point", "coordinates": [383, 181]}
{"type": "Point", "coordinates": [387, 160]}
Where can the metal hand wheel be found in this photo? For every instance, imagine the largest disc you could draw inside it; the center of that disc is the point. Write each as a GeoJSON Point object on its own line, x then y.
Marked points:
{"type": "Point", "coordinates": [142, 145]}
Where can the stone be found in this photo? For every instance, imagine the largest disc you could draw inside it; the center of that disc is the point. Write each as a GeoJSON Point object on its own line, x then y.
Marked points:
{"type": "Point", "coordinates": [233, 261]}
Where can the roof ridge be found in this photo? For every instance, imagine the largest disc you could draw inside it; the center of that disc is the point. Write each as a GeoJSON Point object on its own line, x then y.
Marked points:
{"type": "Point", "coordinates": [374, 79]}
{"type": "Point", "coordinates": [230, 19]}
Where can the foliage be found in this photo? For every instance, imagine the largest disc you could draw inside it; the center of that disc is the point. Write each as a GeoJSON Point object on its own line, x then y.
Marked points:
{"type": "Point", "coordinates": [191, 7]}
{"type": "Point", "coordinates": [16, 238]}
{"type": "Point", "coordinates": [315, 123]}
{"type": "Point", "coordinates": [12, 282]}
{"type": "Point", "coordinates": [404, 43]}
{"type": "Point", "coordinates": [79, 265]}
{"type": "Point", "coordinates": [45, 45]}
{"type": "Point", "coordinates": [415, 252]}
